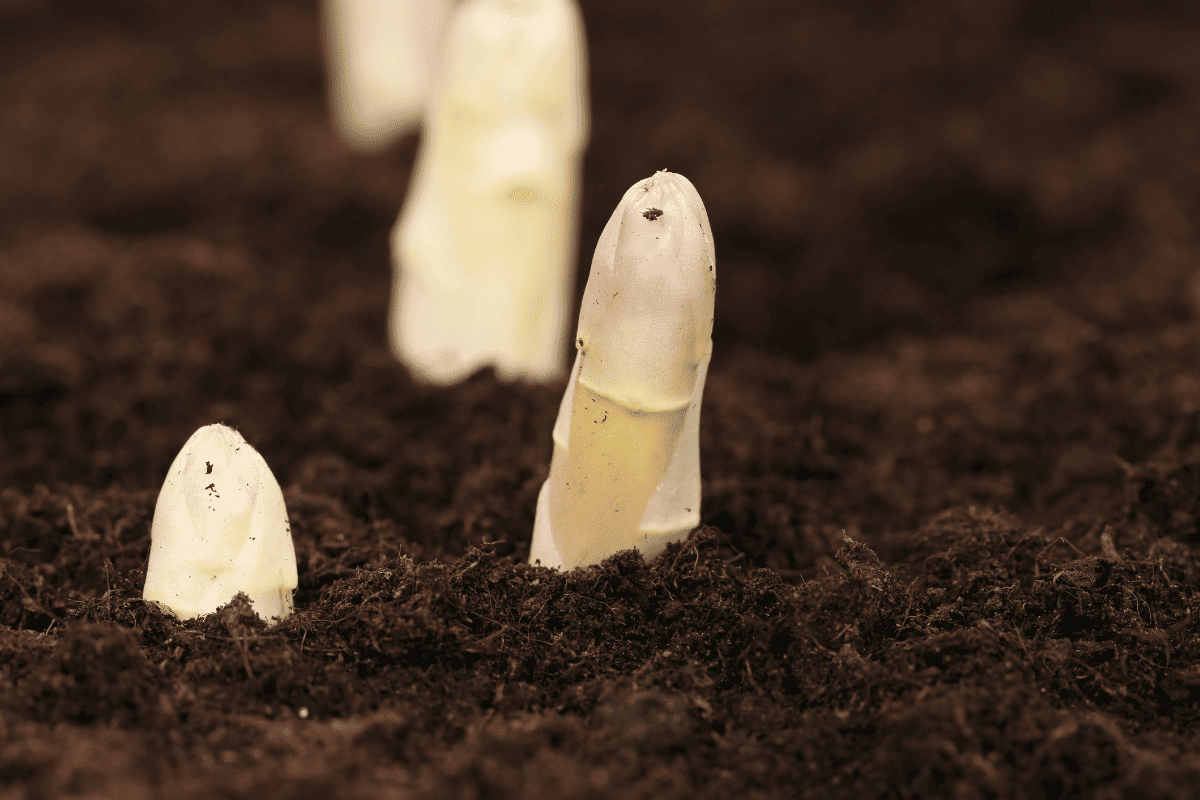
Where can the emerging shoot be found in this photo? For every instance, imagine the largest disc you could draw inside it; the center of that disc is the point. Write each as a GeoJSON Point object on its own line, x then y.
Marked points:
{"type": "Point", "coordinates": [220, 527]}
{"type": "Point", "coordinates": [484, 250]}
{"type": "Point", "coordinates": [380, 57]}
{"type": "Point", "coordinates": [626, 466]}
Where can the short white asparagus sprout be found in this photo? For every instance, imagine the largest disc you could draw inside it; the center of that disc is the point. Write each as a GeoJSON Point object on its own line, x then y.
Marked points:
{"type": "Point", "coordinates": [626, 466]}
{"type": "Point", "coordinates": [484, 251]}
{"type": "Point", "coordinates": [220, 527]}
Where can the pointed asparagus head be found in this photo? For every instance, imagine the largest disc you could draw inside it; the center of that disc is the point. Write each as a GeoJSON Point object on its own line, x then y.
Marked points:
{"type": "Point", "coordinates": [647, 314]}
{"type": "Point", "coordinates": [220, 527]}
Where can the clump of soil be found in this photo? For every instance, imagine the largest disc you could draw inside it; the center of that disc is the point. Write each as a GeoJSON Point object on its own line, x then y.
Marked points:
{"type": "Point", "coordinates": [950, 439]}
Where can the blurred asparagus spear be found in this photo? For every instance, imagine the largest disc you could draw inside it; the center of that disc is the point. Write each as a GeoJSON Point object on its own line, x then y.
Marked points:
{"type": "Point", "coordinates": [381, 56]}
{"type": "Point", "coordinates": [484, 250]}
{"type": "Point", "coordinates": [220, 527]}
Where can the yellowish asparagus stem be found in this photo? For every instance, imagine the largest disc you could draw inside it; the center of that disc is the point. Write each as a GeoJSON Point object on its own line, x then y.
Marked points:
{"type": "Point", "coordinates": [618, 457]}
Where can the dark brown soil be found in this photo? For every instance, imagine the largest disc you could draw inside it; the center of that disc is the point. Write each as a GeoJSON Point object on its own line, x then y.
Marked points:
{"type": "Point", "coordinates": [951, 437]}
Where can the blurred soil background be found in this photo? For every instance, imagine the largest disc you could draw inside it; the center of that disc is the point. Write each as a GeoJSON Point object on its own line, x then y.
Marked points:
{"type": "Point", "coordinates": [950, 439]}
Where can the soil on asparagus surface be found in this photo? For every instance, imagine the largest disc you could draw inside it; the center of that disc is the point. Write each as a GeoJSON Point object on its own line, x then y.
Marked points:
{"type": "Point", "coordinates": [950, 439]}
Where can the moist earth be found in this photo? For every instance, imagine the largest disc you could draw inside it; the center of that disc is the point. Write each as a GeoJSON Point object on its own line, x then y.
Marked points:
{"type": "Point", "coordinates": [950, 439]}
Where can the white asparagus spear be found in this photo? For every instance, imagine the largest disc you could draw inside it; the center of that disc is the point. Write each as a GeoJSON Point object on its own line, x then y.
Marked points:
{"type": "Point", "coordinates": [484, 251]}
{"type": "Point", "coordinates": [220, 527]}
{"type": "Point", "coordinates": [626, 465]}
{"type": "Point", "coordinates": [381, 56]}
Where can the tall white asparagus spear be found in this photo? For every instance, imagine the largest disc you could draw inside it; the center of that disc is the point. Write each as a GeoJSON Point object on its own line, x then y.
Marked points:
{"type": "Point", "coordinates": [626, 465]}
{"type": "Point", "coordinates": [381, 56]}
{"type": "Point", "coordinates": [220, 527]}
{"type": "Point", "coordinates": [484, 250]}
